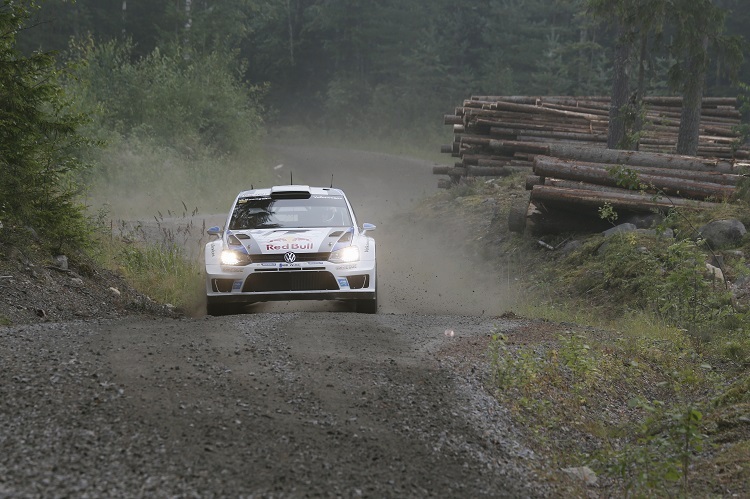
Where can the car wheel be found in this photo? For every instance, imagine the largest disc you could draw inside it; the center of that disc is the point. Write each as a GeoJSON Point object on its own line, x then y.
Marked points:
{"type": "Point", "coordinates": [218, 309]}
{"type": "Point", "coordinates": [367, 306]}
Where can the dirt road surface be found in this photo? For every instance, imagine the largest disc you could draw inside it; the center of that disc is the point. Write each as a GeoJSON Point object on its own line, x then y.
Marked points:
{"type": "Point", "coordinates": [286, 400]}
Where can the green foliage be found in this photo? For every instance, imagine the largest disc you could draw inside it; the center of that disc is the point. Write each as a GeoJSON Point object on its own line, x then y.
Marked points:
{"type": "Point", "coordinates": [608, 213]}
{"type": "Point", "coordinates": [40, 142]}
{"type": "Point", "coordinates": [156, 257]}
{"type": "Point", "coordinates": [627, 178]}
{"type": "Point", "coordinates": [577, 356]}
{"type": "Point", "coordinates": [664, 277]}
{"type": "Point", "coordinates": [650, 446]}
{"type": "Point", "coordinates": [178, 97]}
{"type": "Point", "coordinates": [177, 124]}
{"type": "Point", "coordinates": [663, 450]}
{"type": "Point", "coordinates": [519, 371]}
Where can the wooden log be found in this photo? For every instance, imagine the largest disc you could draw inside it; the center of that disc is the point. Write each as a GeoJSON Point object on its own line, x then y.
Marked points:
{"type": "Point", "coordinates": [532, 180]}
{"type": "Point", "coordinates": [517, 132]}
{"type": "Point", "coordinates": [468, 158]}
{"type": "Point", "coordinates": [572, 184]}
{"type": "Point", "coordinates": [452, 119]}
{"type": "Point", "coordinates": [671, 101]}
{"type": "Point", "coordinates": [493, 163]}
{"type": "Point", "coordinates": [506, 145]}
{"type": "Point", "coordinates": [449, 170]}
{"type": "Point", "coordinates": [710, 177]}
{"type": "Point", "coordinates": [500, 105]}
{"type": "Point", "coordinates": [598, 121]}
{"type": "Point", "coordinates": [638, 158]}
{"type": "Point", "coordinates": [602, 176]}
{"type": "Point", "coordinates": [522, 163]}
{"type": "Point", "coordinates": [518, 215]}
{"type": "Point", "coordinates": [626, 201]}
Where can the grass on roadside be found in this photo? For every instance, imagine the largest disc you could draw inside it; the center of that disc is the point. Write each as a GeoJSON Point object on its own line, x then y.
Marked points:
{"type": "Point", "coordinates": [628, 403]}
{"type": "Point", "coordinates": [650, 393]}
{"type": "Point", "coordinates": [157, 258]}
{"type": "Point", "coordinates": [638, 366]}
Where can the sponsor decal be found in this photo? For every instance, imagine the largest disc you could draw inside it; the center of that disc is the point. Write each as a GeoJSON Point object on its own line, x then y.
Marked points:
{"type": "Point", "coordinates": [347, 267]}
{"type": "Point", "coordinates": [290, 246]}
{"type": "Point", "coordinates": [287, 265]}
{"type": "Point", "coordinates": [343, 283]}
{"type": "Point", "coordinates": [231, 269]}
{"type": "Point", "coordinates": [267, 264]}
{"type": "Point", "coordinates": [237, 286]}
{"type": "Point", "coordinates": [289, 243]}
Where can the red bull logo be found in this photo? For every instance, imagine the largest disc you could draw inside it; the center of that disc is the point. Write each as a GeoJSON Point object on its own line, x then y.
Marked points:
{"type": "Point", "coordinates": [289, 243]}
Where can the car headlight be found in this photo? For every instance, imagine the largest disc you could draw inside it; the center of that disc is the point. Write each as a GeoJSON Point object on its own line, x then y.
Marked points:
{"type": "Point", "coordinates": [231, 257]}
{"type": "Point", "coordinates": [347, 254]}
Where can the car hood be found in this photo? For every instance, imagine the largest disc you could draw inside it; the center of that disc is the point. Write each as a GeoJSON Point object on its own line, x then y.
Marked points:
{"type": "Point", "coordinates": [271, 241]}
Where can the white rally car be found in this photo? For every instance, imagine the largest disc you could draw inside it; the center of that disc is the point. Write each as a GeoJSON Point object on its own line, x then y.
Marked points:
{"type": "Point", "coordinates": [291, 242]}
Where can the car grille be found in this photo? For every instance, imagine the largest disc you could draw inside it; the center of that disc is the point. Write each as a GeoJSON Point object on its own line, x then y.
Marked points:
{"type": "Point", "coordinates": [290, 281]}
{"type": "Point", "coordinates": [358, 281]}
{"type": "Point", "coordinates": [301, 257]}
{"type": "Point", "coordinates": [222, 285]}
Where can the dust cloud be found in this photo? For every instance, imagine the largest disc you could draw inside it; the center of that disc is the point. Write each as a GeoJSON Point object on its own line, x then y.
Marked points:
{"type": "Point", "coordinates": [422, 268]}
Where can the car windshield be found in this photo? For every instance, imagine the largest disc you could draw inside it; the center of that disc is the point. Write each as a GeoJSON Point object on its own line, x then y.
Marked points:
{"type": "Point", "coordinates": [267, 213]}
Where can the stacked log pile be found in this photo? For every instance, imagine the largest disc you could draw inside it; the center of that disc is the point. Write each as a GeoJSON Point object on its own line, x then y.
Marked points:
{"type": "Point", "coordinates": [563, 140]}
{"type": "Point", "coordinates": [500, 135]}
{"type": "Point", "coordinates": [580, 180]}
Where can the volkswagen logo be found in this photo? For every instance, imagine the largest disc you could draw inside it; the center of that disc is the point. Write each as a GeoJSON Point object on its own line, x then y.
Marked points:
{"type": "Point", "coordinates": [290, 257]}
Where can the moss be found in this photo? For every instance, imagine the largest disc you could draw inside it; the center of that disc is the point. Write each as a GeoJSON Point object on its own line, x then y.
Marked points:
{"type": "Point", "coordinates": [738, 392]}
{"type": "Point", "coordinates": [730, 468]}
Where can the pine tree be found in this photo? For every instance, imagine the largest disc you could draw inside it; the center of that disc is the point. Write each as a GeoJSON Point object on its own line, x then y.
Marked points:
{"type": "Point", "coordinates": [39, 141]}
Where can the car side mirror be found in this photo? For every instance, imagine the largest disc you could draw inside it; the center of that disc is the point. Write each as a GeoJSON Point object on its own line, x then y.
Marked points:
{"type": "Point", "coordinates": [367, 227]}
{"type": "Point", "coordinates": [214, 231]}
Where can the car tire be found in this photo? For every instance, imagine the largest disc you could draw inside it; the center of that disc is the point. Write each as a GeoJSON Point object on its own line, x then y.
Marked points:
{"type": "Point", "coordinates": [219, 309]}
{"type": "Point", "coordinates": [367, 306]}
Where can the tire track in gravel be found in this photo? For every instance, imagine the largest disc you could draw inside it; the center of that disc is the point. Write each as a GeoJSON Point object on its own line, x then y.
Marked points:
{"type": "Point", "coordinates": [314, 404]}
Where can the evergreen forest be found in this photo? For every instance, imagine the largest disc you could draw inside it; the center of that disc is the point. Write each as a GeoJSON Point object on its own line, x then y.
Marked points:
{"type": "Point", "coordinates": [388, 64]}
{"type": "Point", "coordinates": [94, 90]}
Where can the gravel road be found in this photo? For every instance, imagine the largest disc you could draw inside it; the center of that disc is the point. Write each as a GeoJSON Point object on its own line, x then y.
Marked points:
{"type": "Point", "coordinates": [287, 400]}
{"type": "Point", "coordinates": [257, 405]}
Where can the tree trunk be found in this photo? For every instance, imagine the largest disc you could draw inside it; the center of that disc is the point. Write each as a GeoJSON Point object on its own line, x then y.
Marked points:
{"type": "Point", "coordinates": [620, 90]}
{"type": "Point", "coordinates": [290, 27]}
{"type": "Point", "coordinates": [690, 119]}
{"type": "Point", "coordinates": [641, 90]}
{"type": "Point", "coordinates": [124, 15]}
